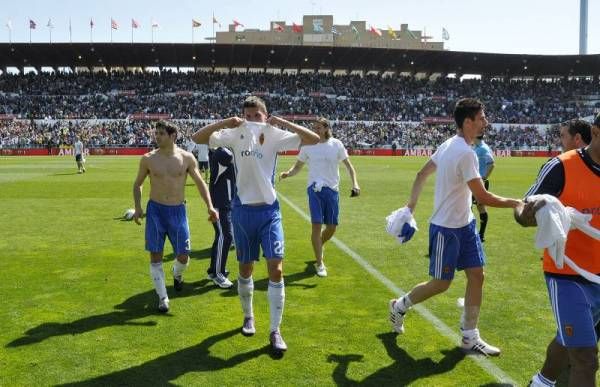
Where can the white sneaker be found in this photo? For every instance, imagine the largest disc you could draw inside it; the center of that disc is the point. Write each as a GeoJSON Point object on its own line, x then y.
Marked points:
{"type": "Point", "coordinates": [396, 318]}
{"type": "Point", "coordinates": [321, 270]}
{"type": "Point", "coordinates": [163, 305]}
{"type": "Point", "coordinates": [222, 281]}
{"type": "Point", "coordinates": [476, 344]}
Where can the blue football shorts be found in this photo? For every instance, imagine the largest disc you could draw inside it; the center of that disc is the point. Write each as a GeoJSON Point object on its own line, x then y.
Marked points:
{"type": "Point", "coordinates": [324, 205]}
{"type": "Point", "coordinates": [576, 308]}
{"type": "Point", "coordinates": [452, 249]}
{"type": "Point", "coordinates": [256, 227]}
{"type": "Point", "coordinates": [171, 221]}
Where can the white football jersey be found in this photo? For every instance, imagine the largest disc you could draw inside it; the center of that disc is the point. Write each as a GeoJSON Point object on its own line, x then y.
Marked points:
{"type": "Point", "coordinates": [456, 164]}
{"type": "Point", "coordinates": [202, 152]}
{"type": "Point", "coordinates": [255, 146]}
{"type": "Point", "coordinates": [323, 159]}
{"type": "Point", "coordinates": [78, 147]}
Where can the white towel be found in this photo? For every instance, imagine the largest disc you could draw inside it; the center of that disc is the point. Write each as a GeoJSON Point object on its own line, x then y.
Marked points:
{"type": "Point", "coordinates": [397, 219]}
{"type": "Point", "coordinates": [554, 222]}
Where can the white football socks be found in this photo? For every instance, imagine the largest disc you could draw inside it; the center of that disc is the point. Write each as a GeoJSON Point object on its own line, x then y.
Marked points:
{"type": "Point", "coordinates": [469, 317]}
{"type": "Point", "coordinates": [540, 381]}
{"type": "Point", "coordinates": [403, 304]}
{"type": "Point", "coordinates": [276, 296]}
{"type": "Point", "coordinates": [158, 277]}
{"type": "Point", "coordinates": [246, 291]}
{"type": "Point", "coordinates": [179, 268]}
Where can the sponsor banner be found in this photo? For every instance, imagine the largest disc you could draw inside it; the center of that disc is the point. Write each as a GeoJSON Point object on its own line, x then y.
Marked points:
{"type": "Point", "coordinates": [438, 120]}
{"type": "Point", "coordinates": [126, 92]}
{"type": "Point", "coordinates": [183, 93]}
{"type": "Point", "coordinates": [316, 94]}
{"type": "Point", "coordinates": [299, 117]}
{"type": "Point", "coordinates": [68, 151]}
{"type": "Point", "coordinates": [7, 117]}
{"type": "Point", "coordinates": [146, 116]}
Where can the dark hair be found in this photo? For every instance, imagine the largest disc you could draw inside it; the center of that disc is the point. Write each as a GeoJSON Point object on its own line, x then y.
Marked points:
{"type": "Point", "coordinates": [255, 102]}
{"type": "Point", "coordinates": [169, 127]}
{"type": "Point", "coordinates": [466, 107]}
{"type": "Point", "coordinates": [580, 126]}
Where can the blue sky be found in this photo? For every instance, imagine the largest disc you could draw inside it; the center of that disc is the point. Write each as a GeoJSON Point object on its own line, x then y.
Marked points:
{"type": "Point", "coordinates": [506, 26]}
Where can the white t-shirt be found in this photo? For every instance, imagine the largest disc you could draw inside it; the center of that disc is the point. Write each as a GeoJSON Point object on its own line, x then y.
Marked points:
{"type": "Point", "coordinates": [456, 165]}
{"type": "Point", "coordinates": [202, 152]}
{"type": "Point", "coordinates": [78, 148]}
{"type": "Point", "coordinates": [323, 159]}
{"type": "Point", "coordinates": [255, 146]}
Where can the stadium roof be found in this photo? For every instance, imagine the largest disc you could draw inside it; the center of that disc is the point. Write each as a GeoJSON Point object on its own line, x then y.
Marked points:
{"type": "Point", "coordinates": [90, 55]}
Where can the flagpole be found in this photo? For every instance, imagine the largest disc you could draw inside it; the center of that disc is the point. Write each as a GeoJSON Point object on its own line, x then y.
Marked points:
{"type": "Point", "coordinates": [132, 32]}
{"type": "Point", "coordinates": [213, 28]}
{"type": "Point", "coordinates": [192, 32]}
{"type": "Point", "coordinates": [50, 30]}
{"type": "Point", "coordinates": [111, 29]}
{"type": "Point", "coordinates": [29, 34]}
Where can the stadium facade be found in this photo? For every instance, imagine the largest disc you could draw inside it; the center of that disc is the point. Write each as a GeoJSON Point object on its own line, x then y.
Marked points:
{"type": "Point", "coordinates": [319, 30]}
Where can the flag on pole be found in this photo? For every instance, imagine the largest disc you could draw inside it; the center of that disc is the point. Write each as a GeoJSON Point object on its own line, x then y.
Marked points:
{"type": "Point", "coordinates": [411, 34]}
{"type": "Point", "coordinates": [113, 24]}
{"type": "Point", "coordinates": [297, 28]}
{"type": "Point", "coordinates": [135, 24]}
{"type": "Point", "coordinates": [236, 24]}
{"type": "Point", "coordinates": [392, 33]}
{"type": "Point", "coordinates": [50, 25]}
{"type": "Point", "coordinates": [91, 23]}
{"type": "Point", "coordinates": [445, 34]}
{"type": "Point", "coordinates": [355, 30]}
{"type": "Point", "coordinates": [196, 23]}
{"type": "Point", "coordinates": [32, 24]}
{"type": "Point", "coordinates": [375, 31]}
{"type": "Point", "coordinates": [278, 27]}
{"type": "Point", "coordinates": [155, 24]}
{"type": "Point", "coordinates": [215, 21]}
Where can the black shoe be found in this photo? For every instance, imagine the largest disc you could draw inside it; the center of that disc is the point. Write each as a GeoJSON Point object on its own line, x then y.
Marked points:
{"type": "Point", "coordinates": [482, 238]}
{"type": "Point", "coordinates": [178, 284]}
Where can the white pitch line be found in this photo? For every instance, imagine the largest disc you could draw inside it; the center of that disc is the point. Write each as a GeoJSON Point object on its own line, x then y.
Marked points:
{"type": "Point", "coordinates": [444, 329]}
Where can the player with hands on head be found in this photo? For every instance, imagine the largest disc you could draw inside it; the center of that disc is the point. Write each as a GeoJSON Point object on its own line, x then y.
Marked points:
{"type": "Point", "coordinates": [255, 142]}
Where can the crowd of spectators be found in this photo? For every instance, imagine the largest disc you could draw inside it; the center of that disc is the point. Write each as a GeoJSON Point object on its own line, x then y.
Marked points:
{"type": "Point", "coordinates": [354, 134]}
{"type": "Point", "coordinates": [213, 95]}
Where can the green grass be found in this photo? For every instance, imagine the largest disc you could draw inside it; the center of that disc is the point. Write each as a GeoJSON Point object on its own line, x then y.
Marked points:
{"type": "Point", "coordinates": [78, 306]}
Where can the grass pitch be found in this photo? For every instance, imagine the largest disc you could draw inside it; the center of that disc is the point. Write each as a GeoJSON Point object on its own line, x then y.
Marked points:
{"type": "Point", "coordinates": [79, 305]}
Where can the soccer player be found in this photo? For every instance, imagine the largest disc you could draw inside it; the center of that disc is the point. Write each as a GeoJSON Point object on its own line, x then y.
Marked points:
{"type": "Point", "coordinates": [78, 149]}
{"type": "Point", "coordinates": [486, 165]}
{"type": "Point", "coordinates": [222, 190]}
{"type": "Point", "coordinates": [453, 241]}
{"type": "Point", "coordinates": [168, 167]}
{"type": "Point", "coordinates": [323, 185]}
{"type": "Point", "coordinates": [202, 150]}
{"type": "Point", "coordinates": [575, 134]}
{"type": "Point", "coordinates": [574, 178]}
{"type": "Point", "coordinates": [255, 142]}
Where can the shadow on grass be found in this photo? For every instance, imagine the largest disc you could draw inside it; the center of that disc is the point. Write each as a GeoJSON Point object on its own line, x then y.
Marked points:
{"type": "Point", "coordinates": [136, 307]}
{"type": "Point", "coordinates": [402, 372]}
{"type": "Point", "coordinates": [144, 305]}
{"type": "Point", "coordinates": [162, 370]}
{"type": "Point", "coordinates": [194, 254]}
{"type": "Point", "coordinates": [65, 174]}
